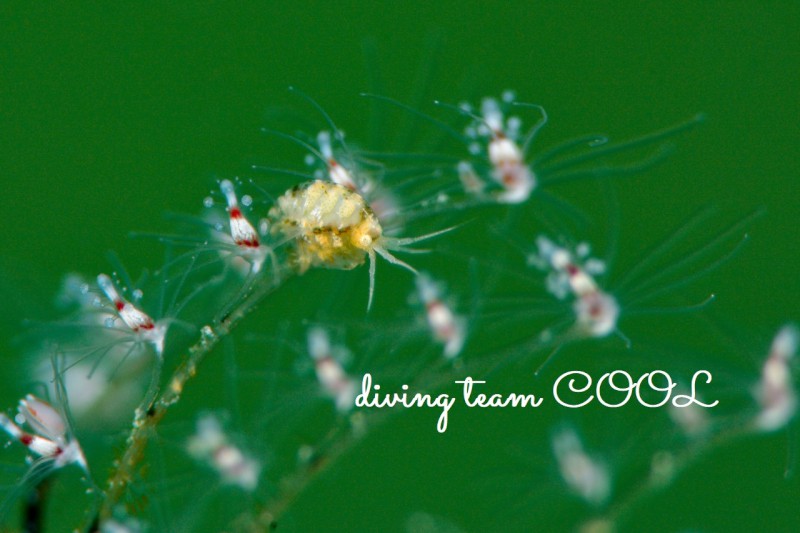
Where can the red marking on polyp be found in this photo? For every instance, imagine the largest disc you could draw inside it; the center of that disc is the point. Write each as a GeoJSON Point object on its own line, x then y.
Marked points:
{"type": "Point", "coordinates": [248, 243]}
{"type": "Point", "coordinates": [447, 331]}
{"type": "Point", "coordinates": [572, 270]}
{"type": "Point", "coordinates": [325, 360]}
{"type": "Point", "coordinates": [120, 305]}
{"type": "Point", "coordinates": [26, 439]}
{"type": "Point", "coordinates": [235, 212]}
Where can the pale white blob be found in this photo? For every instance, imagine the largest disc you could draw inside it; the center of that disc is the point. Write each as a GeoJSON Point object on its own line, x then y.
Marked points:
{"type": "Point", "coordinates": [335, 382]}
{"type": "Point", "coordinates": [584, 475]}
{"type": "Point", "coordinates": [211, 446]}
{"type": "Point", "coordinates": [596, 312]}
{"type": "Point", "coordinates": [506, 157]}
{"type": "Point", "coordinates": [447, 327]}
{"type": "Point", "coordinates": [136, 320]}
{"type": "Point", "coordinates": [775, 392]}
{"type": "Point", "coordinates": [50, 438]}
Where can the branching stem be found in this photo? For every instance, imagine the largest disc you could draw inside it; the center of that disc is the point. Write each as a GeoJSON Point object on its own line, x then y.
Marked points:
{"type": "Point", "coordinates": [147, 419]}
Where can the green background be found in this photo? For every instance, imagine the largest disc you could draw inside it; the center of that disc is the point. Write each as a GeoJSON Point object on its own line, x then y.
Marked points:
{"type": "Point", "coordinates": [111, 116]}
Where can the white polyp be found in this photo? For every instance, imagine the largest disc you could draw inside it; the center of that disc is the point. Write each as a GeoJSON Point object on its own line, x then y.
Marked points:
{"type": "Point", "coordinates": [583, 475]}
{"type": "Point", "coordinates": [597, 314]}
{"type": "Point", "coordinates": [243, 233]}
{"type": "Point", "coordinates": [441, 319]}
{"type": "Point", "coordinates": [211, 446]}
{"type": "Point", "coordinates": [50, 438]}
{"type": "Point", "coordinates": [330, 374]}
{"type": "Point", "coordinates": [775, 392]}
{"type": "Point", "coordinates": [336, 383]}
{"type": "Point", "coordinates": [134, 318]}
{"type": "Point", "coordinates": [42, 417]}
{"type": "Point", "coordinates": [447, 327]}
{"type": "Point", "coordinates": [208, 201]}
{"type": "Point", "coordinates": [44, 447]}
{"type": "Point", "coordinates": [247, 200]}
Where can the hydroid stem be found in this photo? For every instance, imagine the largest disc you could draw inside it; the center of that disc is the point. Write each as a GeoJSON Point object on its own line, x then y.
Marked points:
{"type": "Point", "coordinates": [147, 418]}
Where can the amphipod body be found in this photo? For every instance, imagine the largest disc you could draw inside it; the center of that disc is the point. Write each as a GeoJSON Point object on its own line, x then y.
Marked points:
{"type": "Point", "coordinates": [334, 227]}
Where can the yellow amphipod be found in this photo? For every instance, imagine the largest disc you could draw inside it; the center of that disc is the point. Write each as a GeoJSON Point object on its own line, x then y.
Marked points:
{"type": "Point", "coordinates": [333, 227]}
